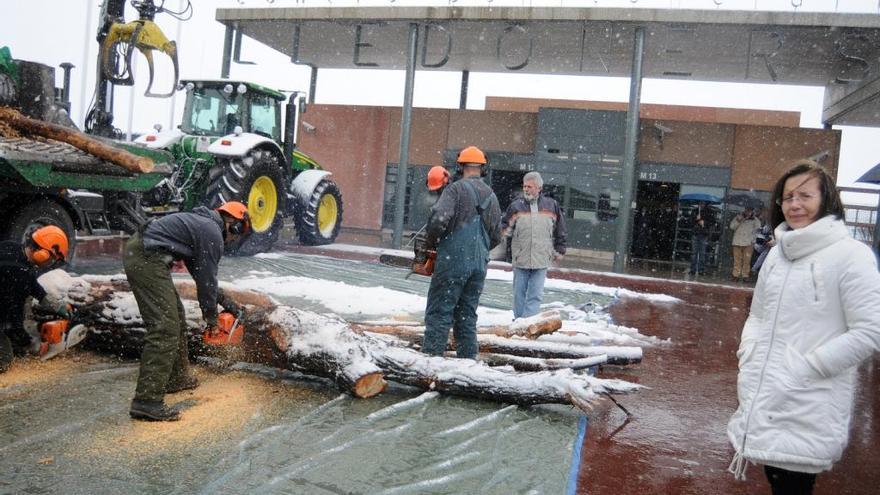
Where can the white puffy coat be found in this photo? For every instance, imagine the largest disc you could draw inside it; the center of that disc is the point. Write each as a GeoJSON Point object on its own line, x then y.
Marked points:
{"type": "Point", "coordinates": [815, 316]}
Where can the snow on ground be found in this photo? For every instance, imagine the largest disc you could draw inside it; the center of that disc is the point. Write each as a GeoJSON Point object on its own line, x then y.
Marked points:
{"type": "Point", "coordinates": [555, 283]}
{"type": "Point", "coordinates": [499, 274]}
{"type": "Point", "coordinates": [354, 302]}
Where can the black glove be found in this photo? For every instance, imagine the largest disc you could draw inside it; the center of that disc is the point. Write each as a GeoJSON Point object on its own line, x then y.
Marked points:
{"type": "Point", "coordinates": [233, 308]}
{"type": "Point", "coordinates": [228, 304]}
{"type": "Point", "coordinates": [65, 311]}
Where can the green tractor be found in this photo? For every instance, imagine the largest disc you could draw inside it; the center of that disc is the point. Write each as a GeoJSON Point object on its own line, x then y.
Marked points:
{"type": "Point", "coordinates": [230, 146]}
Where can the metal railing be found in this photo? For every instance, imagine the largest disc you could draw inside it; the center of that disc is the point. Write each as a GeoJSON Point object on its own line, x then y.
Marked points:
{"type": "Point", "coordinates": [860, 218]}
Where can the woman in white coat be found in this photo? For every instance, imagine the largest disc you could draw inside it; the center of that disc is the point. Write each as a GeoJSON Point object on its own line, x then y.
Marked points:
{"type": "Point", "coordinates": [815, 316]}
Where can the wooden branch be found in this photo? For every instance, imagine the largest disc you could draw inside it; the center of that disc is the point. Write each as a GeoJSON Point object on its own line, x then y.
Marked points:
{"type": "Point", "coordinates": [531, 327]}
{"type": "Point", "coordinates": [129, 161]}
{"type": "Point", "coordinates": [493, 344]}
{"type": "Point", "coordinates": [521, 363]}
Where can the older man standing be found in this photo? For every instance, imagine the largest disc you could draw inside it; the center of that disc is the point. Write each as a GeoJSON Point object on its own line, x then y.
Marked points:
{"type": "Point", "coordinates": [536, 227]}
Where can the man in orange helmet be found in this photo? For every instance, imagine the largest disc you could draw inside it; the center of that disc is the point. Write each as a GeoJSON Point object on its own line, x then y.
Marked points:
{"type": "Point", "coordinates": [464, 225]}
{"type": "Point", "coordinates": [198, 239]}
{"type": "Point", "coordinates": [44, 247]}
{"type": "Point", "coordinates": [438, 178]}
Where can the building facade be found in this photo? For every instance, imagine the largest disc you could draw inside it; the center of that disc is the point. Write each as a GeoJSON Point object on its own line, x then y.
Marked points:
{"type": "Point", "coordinates": [723, 155]}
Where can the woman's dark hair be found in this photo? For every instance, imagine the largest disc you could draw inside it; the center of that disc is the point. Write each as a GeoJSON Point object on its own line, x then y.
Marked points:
{"type": "Point", "coordinates": [831, 203]}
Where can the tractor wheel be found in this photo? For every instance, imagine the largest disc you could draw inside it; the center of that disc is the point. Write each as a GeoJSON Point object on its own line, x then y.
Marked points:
{"type": "Point", "coordinates": [318, 221]}
{"type": "Point", "coordinates": [256, 181]}
{"type": "Point", "coordinates": [39, 213]}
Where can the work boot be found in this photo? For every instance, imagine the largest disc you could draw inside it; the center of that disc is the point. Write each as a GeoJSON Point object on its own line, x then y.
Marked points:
{"type": "Point", "coordinates": [188, 382]}
{"type": "Point", "coordinates": [152, 410]}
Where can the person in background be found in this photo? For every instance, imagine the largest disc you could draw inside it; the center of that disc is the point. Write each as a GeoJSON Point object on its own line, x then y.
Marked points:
{"type": "Point", "coordinates": [815, 316]}
{"type": "Point", "coordinates": [438, 179]}
{"type": "Point", "coordinates": [198, 238]}
{"type": "Point", "coordinates": [744, 226]}
{"type": "Point", "coordinates": [536, 227]}
{"type": "Point", "coordinates": [464, 225]}
{"type": "Point", "coordinates": [46, 247]}
{"type": "Point", "coordinates": [703, 221]}
{"type": "Point", "coordinates": [763, 242]}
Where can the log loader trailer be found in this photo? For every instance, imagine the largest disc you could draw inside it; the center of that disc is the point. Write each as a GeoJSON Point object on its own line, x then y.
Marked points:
{"type": "Point", "coordinates": [230, 146]}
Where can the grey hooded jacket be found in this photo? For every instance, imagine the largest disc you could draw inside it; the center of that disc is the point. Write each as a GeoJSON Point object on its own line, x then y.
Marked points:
{"type": "Point", "coordinates": [196, 238]}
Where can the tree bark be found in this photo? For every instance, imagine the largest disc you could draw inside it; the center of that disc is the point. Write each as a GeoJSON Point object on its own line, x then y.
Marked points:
{"type": "Point", "coordinates": [531, 327]}
{"type": "Point", "coordinates": [129, 161]}
{"type": "Point", "coordinates": [358, 362]}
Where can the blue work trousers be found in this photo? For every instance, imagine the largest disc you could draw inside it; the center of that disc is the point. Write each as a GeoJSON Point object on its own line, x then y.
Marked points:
{"type": "Point", "coordinates": [455, 291]}
{"type": "Point", "coordinates": [452, 302]}
{"type": "Point", "coordinates": [528, 289]}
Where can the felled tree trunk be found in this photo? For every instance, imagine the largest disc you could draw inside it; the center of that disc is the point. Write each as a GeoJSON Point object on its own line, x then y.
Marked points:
{"type": "Point", "coordinates": [315, 344]}
{"type": "Point", "coordinates": [531, 327]}
{"type": "Point", "coordinates": [27, 125]}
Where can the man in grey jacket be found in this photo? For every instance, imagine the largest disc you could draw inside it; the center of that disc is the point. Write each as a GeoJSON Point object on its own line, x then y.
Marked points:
{"type": "Point", "coordinates": [198, 239]}
{"type": "Point", "coordinates": [536, 228]}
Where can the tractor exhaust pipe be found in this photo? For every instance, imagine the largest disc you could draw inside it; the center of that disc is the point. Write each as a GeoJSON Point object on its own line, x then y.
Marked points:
{"type": "Point", "coordinates": [290, 126]}
{"type": "Point", "coordinates": [65, 89]}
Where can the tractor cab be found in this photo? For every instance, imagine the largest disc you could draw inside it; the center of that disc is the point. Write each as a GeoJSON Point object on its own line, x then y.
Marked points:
{"type": "Point", "coordinates": [216, 108]}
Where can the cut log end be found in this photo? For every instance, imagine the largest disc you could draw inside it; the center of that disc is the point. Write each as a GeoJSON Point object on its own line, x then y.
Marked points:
{"type": "Point", "coordinates": [369, 385]}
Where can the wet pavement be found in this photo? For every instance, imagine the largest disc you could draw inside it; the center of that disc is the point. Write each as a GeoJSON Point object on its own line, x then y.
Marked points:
{"type": "Point", "coordinates": [676, 440]}
{"type": "Point", "coordinates": [64, 428]}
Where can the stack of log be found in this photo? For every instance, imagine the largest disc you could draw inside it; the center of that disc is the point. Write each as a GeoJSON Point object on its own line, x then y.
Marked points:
{"type": "Point", "coordinates": [512, 366]}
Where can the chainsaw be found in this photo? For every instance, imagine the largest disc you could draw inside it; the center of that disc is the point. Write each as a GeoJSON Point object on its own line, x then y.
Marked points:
{"type": "Point", "coordinates": [423, 258]}
{"type": "Point", "coordinates": [57, 336]}
{"type": "Point", "coordinates": [229, 330]}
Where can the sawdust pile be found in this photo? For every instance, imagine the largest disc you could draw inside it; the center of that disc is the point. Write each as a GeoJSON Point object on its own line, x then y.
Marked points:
{"type": "Point", "coordinates": [220, 408]}
{"type": "Point", "coordinates": [27, 371]}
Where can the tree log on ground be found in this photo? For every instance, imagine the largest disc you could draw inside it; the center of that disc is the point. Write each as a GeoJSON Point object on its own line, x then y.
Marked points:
{"type": "Point", "coordinates": [76, 138]}
{"type": "Point", "coordinates": [289, 338]}
{"type": "Point", "coordinates": [539, 348]}
{"type": "Point", "coordinates": [531, 327]}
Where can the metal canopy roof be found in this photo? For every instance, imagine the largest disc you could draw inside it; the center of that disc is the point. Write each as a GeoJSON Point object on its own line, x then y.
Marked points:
{"type": "Point", "coordinates": [838, 51]}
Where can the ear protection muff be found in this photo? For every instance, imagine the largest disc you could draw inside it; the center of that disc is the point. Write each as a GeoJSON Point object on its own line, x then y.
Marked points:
{"type": "Point", "coordinates": [41, 256]}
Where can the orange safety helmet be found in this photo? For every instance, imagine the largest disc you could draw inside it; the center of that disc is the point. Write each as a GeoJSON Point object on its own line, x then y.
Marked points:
{"type": "Point", "coordinates": [238, 211]}
{"type": "Point", "coordinates": [437, 178]}
{"type": "Point", "coordinates": [471, 154]}
{"type": "Point", "coordinates": [49, 242]}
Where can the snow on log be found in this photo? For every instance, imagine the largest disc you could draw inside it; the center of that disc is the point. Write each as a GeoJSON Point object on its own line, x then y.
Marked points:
{"type": "Point", "coordinates": [492, 344]}
{"type": "Point", "coordinates": [536, 348]}
{"type": "Point", "coordinates": [471, 378]}
{"type": "Point", "coordinates": [531, 327]}
{"type": "Point", "coordinates": [522, 363]}
{"type": "Point", "coordinates": [321, 345]}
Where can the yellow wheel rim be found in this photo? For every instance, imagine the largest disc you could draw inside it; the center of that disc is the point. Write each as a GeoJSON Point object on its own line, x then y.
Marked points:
{"type": "Point", "coordinates": [262, 204]}
{"type": "Point", "coordinates": [327, 211]}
